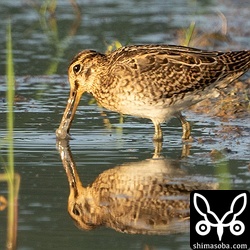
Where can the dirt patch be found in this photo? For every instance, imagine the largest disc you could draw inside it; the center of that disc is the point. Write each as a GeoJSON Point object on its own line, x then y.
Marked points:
{"type": "Point", "coordinates": [233, 102]}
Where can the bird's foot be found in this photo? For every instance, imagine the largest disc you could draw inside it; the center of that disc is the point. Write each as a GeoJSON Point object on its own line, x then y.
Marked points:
{"type": "Point", "coordinates": [158, 149]}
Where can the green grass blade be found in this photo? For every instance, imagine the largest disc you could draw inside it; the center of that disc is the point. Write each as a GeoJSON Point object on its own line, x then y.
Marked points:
{"type": "Point", "coordinates": [189, 34]}
{"type": "Point", "coordinates": [10, 101]}
{"type": "Point", "coordinates": [11, 234]}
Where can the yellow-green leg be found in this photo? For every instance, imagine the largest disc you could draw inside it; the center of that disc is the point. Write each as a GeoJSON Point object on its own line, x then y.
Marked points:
{"type": "Point", "coordinates": [186, 128]}
{"type": "Point", "coordinates": [158, 132]}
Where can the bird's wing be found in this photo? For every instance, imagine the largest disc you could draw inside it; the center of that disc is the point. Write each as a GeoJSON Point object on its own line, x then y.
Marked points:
{"type": "Point", "coordinates": [176, 69]}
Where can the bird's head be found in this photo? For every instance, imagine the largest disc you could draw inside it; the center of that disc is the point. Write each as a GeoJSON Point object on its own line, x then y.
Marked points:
{"type": "Point", "coordinates": [82, 74]}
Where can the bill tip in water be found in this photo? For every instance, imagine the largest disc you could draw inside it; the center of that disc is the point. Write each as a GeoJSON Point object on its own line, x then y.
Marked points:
{"type": "Point", "coordinates": [62, 134]}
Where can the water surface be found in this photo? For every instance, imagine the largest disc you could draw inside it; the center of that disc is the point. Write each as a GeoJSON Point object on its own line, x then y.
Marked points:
{"type": "Point", "coordinates": [41, 58]}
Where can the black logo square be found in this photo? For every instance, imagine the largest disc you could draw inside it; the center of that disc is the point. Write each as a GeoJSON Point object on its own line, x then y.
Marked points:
{"type": "Point", "coordinates": [220, 219]}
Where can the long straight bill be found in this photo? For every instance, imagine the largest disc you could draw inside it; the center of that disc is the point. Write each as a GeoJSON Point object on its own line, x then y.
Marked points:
{"type": "Point", "coordinates": [63, 131]}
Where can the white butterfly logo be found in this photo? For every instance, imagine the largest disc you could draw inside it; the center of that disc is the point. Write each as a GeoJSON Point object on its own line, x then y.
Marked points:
{"type": "Point", "coordinates": [203, 227]}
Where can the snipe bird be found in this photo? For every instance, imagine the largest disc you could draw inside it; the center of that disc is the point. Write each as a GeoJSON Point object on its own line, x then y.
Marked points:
{"type": "Point", "coordinates": [150, 81]}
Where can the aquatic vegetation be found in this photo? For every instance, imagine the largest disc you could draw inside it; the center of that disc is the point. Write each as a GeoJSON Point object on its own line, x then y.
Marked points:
{"type": "Point", "coordinates": [49, 24]}
{"type": "Point", "coordinates": [12, 179]}
{"type": "Point", "coordinates": [195, 37]}
{"type": "Point", "coordinates": [189, 34]}
{"type": "Point", "coordinates": [113, 46]}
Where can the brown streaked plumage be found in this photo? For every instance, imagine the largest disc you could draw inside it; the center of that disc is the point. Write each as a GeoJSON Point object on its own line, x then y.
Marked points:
{"type": "Point", "coordinates": [150, 81]}
{"type": "Point", "coordinates": [145, 197]}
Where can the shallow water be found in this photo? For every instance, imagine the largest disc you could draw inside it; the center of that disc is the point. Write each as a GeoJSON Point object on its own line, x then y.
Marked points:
{"type": "Point", "coordinates": [43, 220]}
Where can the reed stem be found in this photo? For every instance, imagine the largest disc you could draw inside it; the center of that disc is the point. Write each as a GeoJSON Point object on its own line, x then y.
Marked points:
{"type": "Point", "coordinates": [11, 221]}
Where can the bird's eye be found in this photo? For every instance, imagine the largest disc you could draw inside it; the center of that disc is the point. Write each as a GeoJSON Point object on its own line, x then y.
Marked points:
{"type": "Point", "coordinates": [76, 68]}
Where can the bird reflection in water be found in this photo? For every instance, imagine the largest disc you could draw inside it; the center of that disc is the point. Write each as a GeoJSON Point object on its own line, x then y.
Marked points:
{"type": "Point", "coordinates": [146, 197]}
